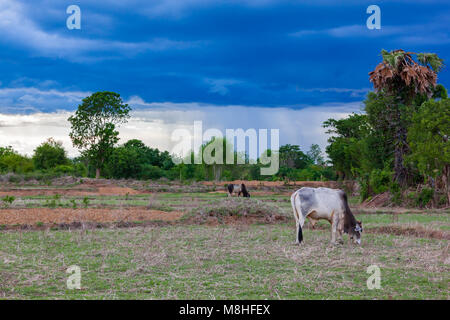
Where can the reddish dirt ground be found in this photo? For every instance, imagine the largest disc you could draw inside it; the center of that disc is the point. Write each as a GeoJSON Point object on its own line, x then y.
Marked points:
{"type": "Point", "coordinates": [81, 190]}
{"type": "Point", "coordinates": [259, 193]}
{"type": "Point", "coordinates": [255, 183]}
{"type": "Point", "coordinates": [64, 215]}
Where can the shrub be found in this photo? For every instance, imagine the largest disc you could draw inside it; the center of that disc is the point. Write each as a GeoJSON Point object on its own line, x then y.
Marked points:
{"type": "Point", "coordinates": [396, 193]}
{"type": "Point", "coordinates": [80, 170]}
{"type": "Point", "coordinates": [14, 178]}
{"type": "Point", "coordinates": [14, 162]}
{"type": "Point", "coordinates": [235, 207]}
{"type": "Point", "coordinates": [424, 197]}
{"type": "Point", "coordinates": [86, 202]}
{"type": "Point", "coordinates": [7, 201]}
{"type": "Point", "coordinates": [380, 180]}
{"type": "Point", "coordinates": [63, 169]}
{"type": "Point", "coordinates": [442, 200]}
{"type": "Point", "coordinates": [151, 172]}
{"type": "Point", "coordinates": [49, 155]}
{"type": "Point", "coordinates": [363, 181]}
{"type": "Point", "coordinates": [74, 203]}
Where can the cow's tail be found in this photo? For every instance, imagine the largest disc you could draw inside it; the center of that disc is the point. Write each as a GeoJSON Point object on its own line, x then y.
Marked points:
{"type": "Point", "coordinates": [297, 216]}
{"type": "Point", "coordinates": [346, 207]}
{"type": "Point", "coordinates": [349, 218]}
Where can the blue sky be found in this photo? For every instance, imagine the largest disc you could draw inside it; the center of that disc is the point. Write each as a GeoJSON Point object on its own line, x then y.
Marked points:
{"type": "Point", "coordinates": [187, 54]}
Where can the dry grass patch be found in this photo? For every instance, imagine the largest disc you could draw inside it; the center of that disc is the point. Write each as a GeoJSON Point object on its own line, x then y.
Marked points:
{"type": "Point", "coordinates": [64, 215]}
{"type": "Point", "coordinates": [235, 210]}
{"type": "Point", "coordinates": [415, 231]}
{"type": "Point", "coordinates": [221, 262]}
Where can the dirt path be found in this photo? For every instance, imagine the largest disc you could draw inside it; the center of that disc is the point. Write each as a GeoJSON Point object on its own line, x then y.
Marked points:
{"type": "Point", "coordinates": [64, 215]}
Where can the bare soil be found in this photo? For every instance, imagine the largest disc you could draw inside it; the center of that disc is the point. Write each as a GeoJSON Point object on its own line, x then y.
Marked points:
{"type": "Point", "coordinates": [380, 200]}
{"type": "Point", "coordinates": [256, 183]}
{"type": "Point", "coordinates": [65, 215]}
{"type": "Point", "coordinates": [81, 190]}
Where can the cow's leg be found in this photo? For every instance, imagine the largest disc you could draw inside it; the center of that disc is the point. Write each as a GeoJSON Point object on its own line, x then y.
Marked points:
{"type": "Point", "coordinates": [299, 219]}
{"type": "Point", "coordinates": [340, 228]}
{"type": "Point", "coordinates": [336, 231]}
{"type": "Point", "coordinates": [312, 221]}
{"type": "Point", "coordinates": [334, 223]}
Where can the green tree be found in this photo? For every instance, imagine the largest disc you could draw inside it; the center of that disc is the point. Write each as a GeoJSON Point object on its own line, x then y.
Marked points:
{"type": "Point", "coordinates": [11, 161]}
{"type": "Point", "coordinates": [6, 151]}
{"type": "Point", "coordinates": [428, 137]}
{"type": "Point", "coordinates": [404, 80]}
{"type": "Point", "coordinates": [292, 157]}
{"type": "Point", "coordinates": [315, 154]}
{"type": "Point", "coordinates": [129, 160]}
{"type": "Point", "coordinates": [93, 126]}
{"type": "Point", "coordinates": [347, 143]}
{"type": "Point", "coordinates": [49, 155]}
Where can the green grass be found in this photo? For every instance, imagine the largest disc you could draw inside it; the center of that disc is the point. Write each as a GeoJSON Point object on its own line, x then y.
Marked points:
{"type": "Point", "coordinates": [379, 219]}
{"type": "Point", "coordinates": [201, 262]}
{"type": "Point", "coordinates": [226, 262]}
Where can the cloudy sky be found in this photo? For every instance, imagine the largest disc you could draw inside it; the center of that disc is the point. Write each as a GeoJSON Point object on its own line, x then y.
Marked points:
{"type": "Point", "coordinates": [232, 64]}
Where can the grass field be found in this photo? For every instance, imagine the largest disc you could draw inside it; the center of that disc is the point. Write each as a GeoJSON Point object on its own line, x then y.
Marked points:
{"type": "Point", "coordinates": [221, 261]}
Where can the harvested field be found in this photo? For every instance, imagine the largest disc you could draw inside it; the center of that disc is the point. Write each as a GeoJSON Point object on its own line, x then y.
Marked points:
{"type": "Point", "coordinates": [64, 215]}
{"type": "Point", "coordinates": [82, 190]}
{"type": "Point", "coordinates": [417, 231]}
{"type": "Point", "coordinates": [131, 243]}
{"type": "Point", "coordinates": [299, 184]}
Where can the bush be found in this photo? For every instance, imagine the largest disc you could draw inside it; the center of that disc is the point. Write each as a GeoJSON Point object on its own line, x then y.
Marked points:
{"type": "Point", "coordinates": [442, 200]}
{"type": "Point", "coordinates": [80, 170]}
{"type": "Point", "coordinates": [151, 172]}
{"type": "Point", "coordinates": [15, 178]}
{"type": "Point", "coordinates": [7, 201]}
{"type": "Point", "coordinates": [380, 180]}
{"type": "Point", "coordinates": [235, 207]}
{"type": "Point", "coordinates": [172, 174]}
{"type": "Point", "coordinates": [13, 162]}
{"type": "Point", "coordinates": [49, 155]}
{"type": "Point", "coordinates": [424, 197]}
{"type": "Point", "coordinates": [63, 169]}
{"type": "Point", "coordinates": [396, 193]}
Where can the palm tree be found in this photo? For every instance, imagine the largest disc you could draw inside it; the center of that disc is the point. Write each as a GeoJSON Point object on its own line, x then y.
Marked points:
{"type": "Point", "coordinates": [405, 79]}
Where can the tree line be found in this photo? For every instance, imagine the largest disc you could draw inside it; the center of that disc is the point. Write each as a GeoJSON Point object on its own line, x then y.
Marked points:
{"type": "Point", "coordinates": [94, 131]}
{"type": "Point", "coordinates": [401, 141]}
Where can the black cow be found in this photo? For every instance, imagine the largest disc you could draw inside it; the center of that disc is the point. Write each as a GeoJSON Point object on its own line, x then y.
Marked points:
{"type": "Point", "coordinates": [238, 188]}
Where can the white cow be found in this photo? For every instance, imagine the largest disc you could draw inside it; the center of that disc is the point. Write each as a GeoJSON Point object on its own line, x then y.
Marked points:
{"type": "Point", "coordinates": [328, 204]}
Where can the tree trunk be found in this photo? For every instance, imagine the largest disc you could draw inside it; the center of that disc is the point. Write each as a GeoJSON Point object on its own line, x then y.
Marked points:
{"type": "Point", "coordinates": [97, 173]}
{"type": "Point", "coordinates": [435, 186]}
{"type": "Point", "coordinates": [446, 180]}
{"type": "Point", "coordinates": [400, 171]}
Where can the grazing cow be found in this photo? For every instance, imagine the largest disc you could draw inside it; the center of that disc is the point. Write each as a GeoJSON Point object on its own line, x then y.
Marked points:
{"type": "Point", "coordinates": [238, 188]}
{"type": "Point", "coordinates": [328, 204]}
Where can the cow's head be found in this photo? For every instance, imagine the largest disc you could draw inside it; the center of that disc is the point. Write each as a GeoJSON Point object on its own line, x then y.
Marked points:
{"type": "Point", "coordinates": [356, 231]}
